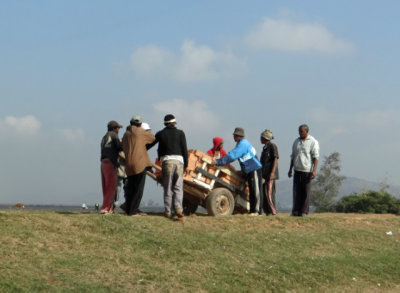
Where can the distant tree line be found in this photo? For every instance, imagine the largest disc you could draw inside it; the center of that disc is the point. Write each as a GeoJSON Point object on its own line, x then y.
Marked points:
{"type": "Point", "coordinates": [326, 188]}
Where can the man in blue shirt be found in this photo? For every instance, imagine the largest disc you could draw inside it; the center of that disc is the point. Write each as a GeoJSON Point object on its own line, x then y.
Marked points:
{"type": "Point", "coordinates": [245, 153]}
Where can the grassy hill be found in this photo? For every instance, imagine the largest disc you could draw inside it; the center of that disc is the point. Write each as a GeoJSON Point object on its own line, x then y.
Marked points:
{"type": "Point", "coordinates": [55, 251]}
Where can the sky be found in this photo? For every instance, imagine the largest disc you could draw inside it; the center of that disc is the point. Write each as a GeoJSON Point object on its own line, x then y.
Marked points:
{"type": "Point", "coordinates": [69, 67]}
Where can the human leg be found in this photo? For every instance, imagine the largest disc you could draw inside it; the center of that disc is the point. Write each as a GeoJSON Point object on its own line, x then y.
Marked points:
{"type": "Point", "coordinates": [270, 197]}
{"type": "Point", "coordinates": [177, 188]}
{"type": "Point", "coordinates": [109, 184]}
{"type": "Point", "coordinates": [168, 170]}
{"type": "Point", "coordinates": [136, 193]}
{"type": "Point", "coordinates": [252, 192]}
{"type": "Point", "coordinates": [306, 193]}
{"type": "Point", "coordinates": [296, 194]}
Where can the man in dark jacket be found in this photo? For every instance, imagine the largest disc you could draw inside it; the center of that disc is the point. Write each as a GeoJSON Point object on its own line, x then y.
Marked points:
{"type": "Point", "coordinates": [110, 147]}
{"type": "Point", "coordinates": [172, 151]}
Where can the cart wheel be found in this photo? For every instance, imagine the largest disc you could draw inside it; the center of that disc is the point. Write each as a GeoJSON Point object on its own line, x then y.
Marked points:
{"type": "Point", "coordinates": [220, 202]}
{"type": "Point", "coordinates": [189, 207]}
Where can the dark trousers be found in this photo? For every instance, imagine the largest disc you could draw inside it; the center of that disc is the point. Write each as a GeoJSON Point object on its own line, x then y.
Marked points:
{"type": "Point", "coordinates": [301, 193]}
{"type": "Point", "coordinates": [134, 192]}
{"type": "Point", "coordinates": [254, 194]}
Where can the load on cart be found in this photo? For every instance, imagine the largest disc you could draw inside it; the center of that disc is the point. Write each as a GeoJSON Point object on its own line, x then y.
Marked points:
{"type": "Point", "coordinates": [221, 190]}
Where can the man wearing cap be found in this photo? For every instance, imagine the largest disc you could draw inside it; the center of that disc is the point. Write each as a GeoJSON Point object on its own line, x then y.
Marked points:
{"type": "Point", "coordinates": [246, 154]}
{"type": "Point", "coordinates": [269, 161]}
{"type": "Point", "coordinates": [172, 151]}
{"type": "Point", "coordinates": [110, 147]}
{"type": "Point", "coordinates": [137, 160]}
{"type": "Point", "coordinates": [304, 161]}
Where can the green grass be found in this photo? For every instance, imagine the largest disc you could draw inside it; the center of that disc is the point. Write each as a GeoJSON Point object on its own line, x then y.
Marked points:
{"type": "Point", "coordinates": [44, 251]}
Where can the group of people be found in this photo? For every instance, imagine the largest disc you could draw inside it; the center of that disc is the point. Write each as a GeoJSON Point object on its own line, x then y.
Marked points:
{"type": "Point", "coordinates": [132, 149]}
{"type": "Point", "coordinates": [130, 156]}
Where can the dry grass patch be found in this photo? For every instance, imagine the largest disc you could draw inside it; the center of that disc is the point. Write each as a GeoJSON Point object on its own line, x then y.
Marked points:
{"type": "Point", "coordinates": [55, 252]}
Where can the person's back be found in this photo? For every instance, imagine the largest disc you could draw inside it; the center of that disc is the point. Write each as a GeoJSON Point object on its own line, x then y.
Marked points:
{"type": "Point", "coordinates": [171, 141]}
{"type": "Point", "coordinates": [172, 151]}
{"type": "Point", "coordinates": [137, 160]}
{"type": "Point", "coordinates": [134, 144]}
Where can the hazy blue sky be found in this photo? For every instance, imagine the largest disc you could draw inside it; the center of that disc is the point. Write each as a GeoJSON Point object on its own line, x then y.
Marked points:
{"type": "Point", "coordinates": [68, 67]}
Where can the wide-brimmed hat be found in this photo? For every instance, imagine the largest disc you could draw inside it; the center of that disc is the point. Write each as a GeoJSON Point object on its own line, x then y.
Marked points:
{"type": "Point", "coordinates": [113, 124]}
{"type": "Point", "coordinates": [239, 131]}
{"type": "Point", "coordinates": [267, 134]}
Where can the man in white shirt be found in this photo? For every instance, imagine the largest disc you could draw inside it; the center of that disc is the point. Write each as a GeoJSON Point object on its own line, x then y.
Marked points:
{"type": "Point", "coordinates": [304, 160]}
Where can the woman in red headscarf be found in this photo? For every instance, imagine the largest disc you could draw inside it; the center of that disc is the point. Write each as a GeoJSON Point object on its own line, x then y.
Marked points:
{"type": "Point", "coordinates": [217, 151]}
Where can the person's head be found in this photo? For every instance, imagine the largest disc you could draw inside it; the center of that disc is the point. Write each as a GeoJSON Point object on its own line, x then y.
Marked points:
{"type": "Point", "coordinates": [218, 143]}
{"type": "Point", "coordinates": [266, 136]}
{"type": "Point", "coordinates": [303, 131]}
{"type": "Point", "coordinates": [113, 126]}
{"type": "Point", "coordinates": [238, 134]}
{"type": "Point", "coordinates": [146, 126]}
{"type": "Point", "coordinates": [169, 120]}
{"type": "Point", "coordinates": [136, 121]}
{"type": "Point", "coordinates": [220, 146]}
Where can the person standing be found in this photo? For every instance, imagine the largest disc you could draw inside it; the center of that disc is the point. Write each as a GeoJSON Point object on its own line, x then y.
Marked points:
{"type": "Point", "coordinates": [304, 161]}
{"type": "Point", "coordinates": [110, 147]}
{"type": "Point", "coordinates": [173, 154]}
{"type": "Point", "coordinates": [269, 160]}
{"type": "Point", "coordinates": [249, 164]}
{"type": "Point", "coordinates": [137, 160]}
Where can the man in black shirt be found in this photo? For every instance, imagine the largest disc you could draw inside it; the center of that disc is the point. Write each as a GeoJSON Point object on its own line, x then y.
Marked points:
{"type": "Point", "coordinates": [172, 151]}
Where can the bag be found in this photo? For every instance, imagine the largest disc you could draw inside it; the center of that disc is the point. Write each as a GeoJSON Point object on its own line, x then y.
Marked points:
{"type": "Point", "coordinates": [249, 163]}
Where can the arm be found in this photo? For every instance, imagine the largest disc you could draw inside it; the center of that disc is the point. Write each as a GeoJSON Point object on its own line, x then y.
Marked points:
{"type": "Point", "coordinates": [315, 156]}
{"type": "Point", "coordinates": [315, 165]}
{"type": "Point", "coordinates": [238, 152]}
{"type": "Point", "coordinates": [290, 168]}
{"type": "Point", "coordinates": [184, 150]}
{"type": "Point", "coordinates": [275, 163]}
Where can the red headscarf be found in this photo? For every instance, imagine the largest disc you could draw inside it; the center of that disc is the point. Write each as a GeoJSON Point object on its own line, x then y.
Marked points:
{"type": "Point", "coordinates": [217, 142]}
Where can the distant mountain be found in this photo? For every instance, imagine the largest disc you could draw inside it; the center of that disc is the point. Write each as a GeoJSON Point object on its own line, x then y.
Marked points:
{"type": "Point", "coordinates": [349, 186]}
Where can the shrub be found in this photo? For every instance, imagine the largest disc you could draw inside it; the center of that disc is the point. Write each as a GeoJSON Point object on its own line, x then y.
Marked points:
{"type": "Point", "coordinates": [369, 202]}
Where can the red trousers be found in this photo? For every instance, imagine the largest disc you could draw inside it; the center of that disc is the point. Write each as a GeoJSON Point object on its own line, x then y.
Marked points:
{"type": "Point", "coordinates": [109, 178]}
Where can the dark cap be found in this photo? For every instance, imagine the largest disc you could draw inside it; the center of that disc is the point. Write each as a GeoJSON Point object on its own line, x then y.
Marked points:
{"type": "Point", "coordinates": [169, 119]}
{"type": "Point", "coordinates": [113, 124]}
{"type": "Point", "coordinates": [239, 131]}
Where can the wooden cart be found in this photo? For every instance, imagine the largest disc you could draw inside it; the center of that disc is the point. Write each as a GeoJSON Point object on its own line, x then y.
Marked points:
{"type": "Point", "coordinates": [221, 190]}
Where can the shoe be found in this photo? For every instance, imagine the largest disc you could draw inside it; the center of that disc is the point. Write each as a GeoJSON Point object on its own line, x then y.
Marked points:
{"type": "Point", "coordinates": [135, 215]}
{"type": "Point", "coordinates": [104, 212]}
{"type": "Point", "coordinates": [167, 215]}
{"type": "Point", "coordinates": [253, 214]}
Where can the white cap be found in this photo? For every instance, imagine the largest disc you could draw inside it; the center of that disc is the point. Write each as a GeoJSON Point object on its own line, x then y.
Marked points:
{"type": "Point", "coordinates": [146, 126]}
